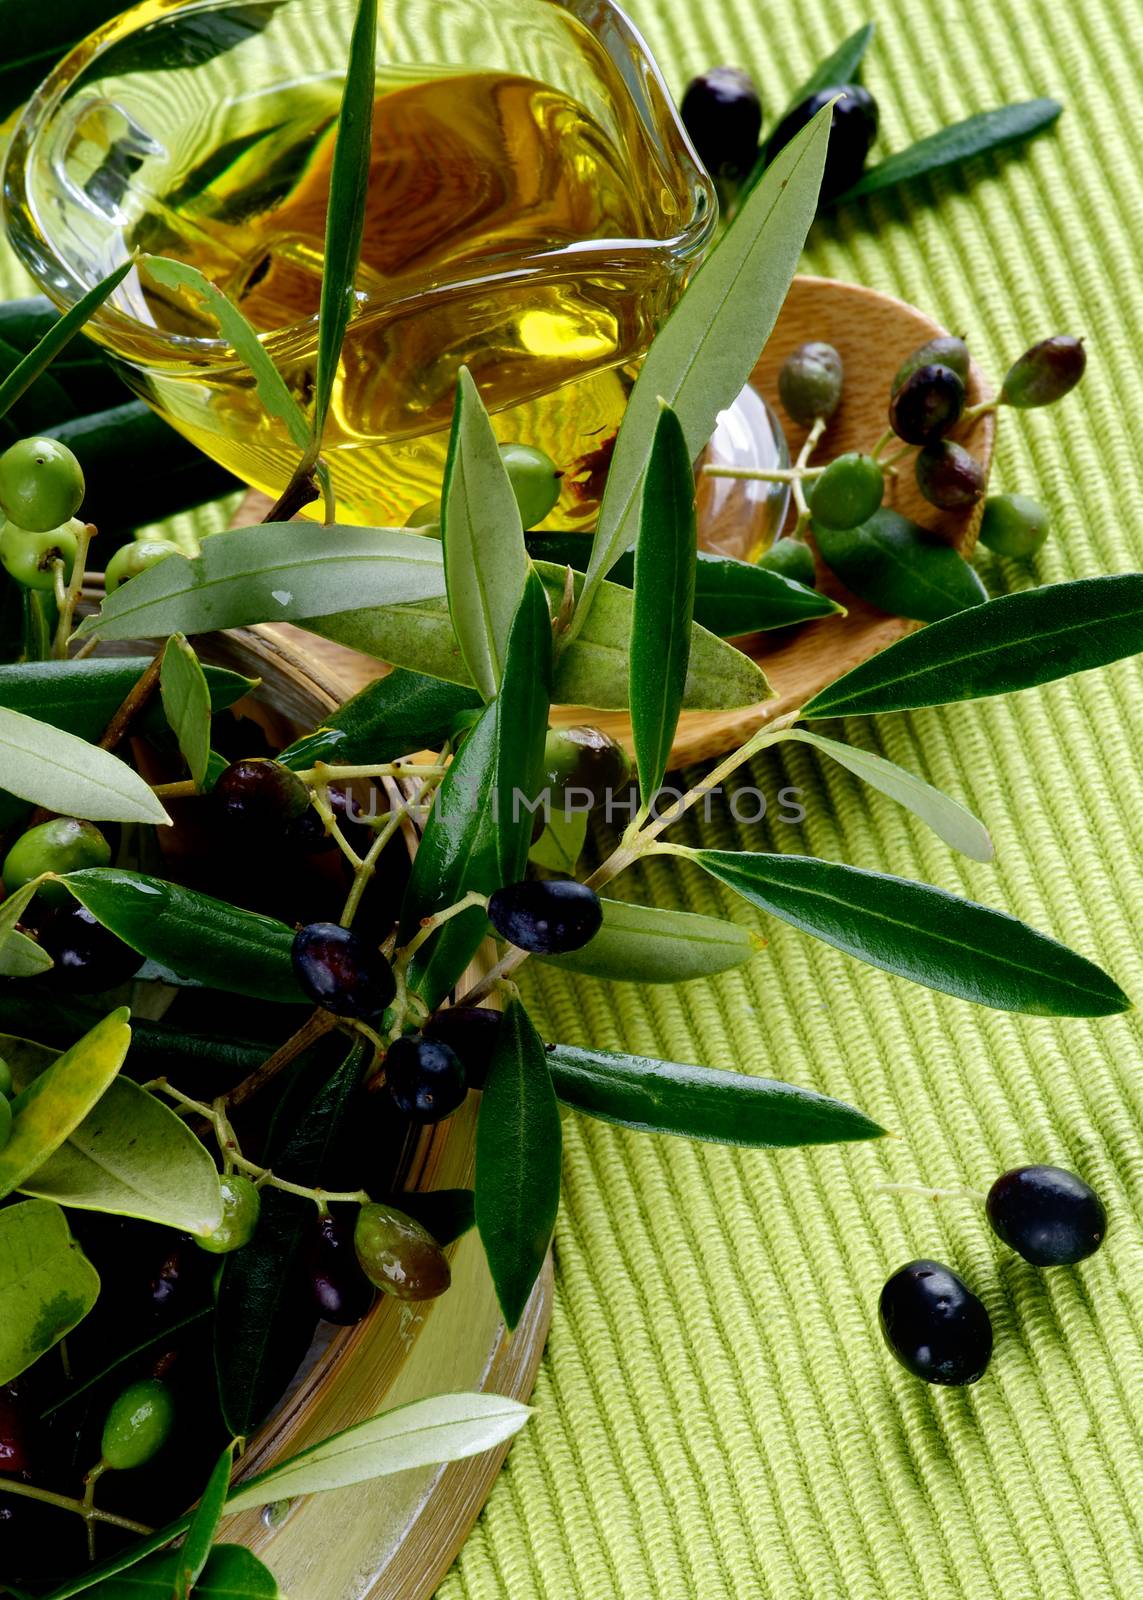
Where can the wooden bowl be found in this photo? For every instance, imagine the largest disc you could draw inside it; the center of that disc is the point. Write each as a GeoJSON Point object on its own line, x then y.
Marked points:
{"type": "Point", "coordinates": [873, 333]}
{"type": "Point", "coordinates": [393, 1539]}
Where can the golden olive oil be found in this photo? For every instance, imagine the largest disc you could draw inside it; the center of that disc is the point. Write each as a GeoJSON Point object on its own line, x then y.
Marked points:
{"type": "Point", "coordinates": [505, 230]}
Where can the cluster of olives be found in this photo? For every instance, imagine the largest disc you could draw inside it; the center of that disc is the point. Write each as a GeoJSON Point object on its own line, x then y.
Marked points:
{"type": "Point", "coordinates": [722, 113]}
{"type": "Point", "coordinates": [927, 400]}
{"type": "Point", "coordinates": [931, 1320]}
{"type": "Point", "coordinates": [41, 489]}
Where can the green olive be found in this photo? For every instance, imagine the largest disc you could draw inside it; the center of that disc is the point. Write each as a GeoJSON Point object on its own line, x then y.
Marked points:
{"type": "Point", "coordinates": [810, 382]}
{"type": "Point", "coordinates": [138, 1425]}
{"type": "Point", "coordinates": [5, 1121]}
{"type": "Point", "coordinates": [1013, 525]}
{"type": "Point", "coordinates": [791, 558]}
{"type": "Point", "coordinates": [28, 554]}
{"type": "Point", "coordinates": [241, 1204]}
{"type": "Point", "coordinates": [848, 492]}
{"type": "Point", "coordinates": [398, 1255]}
{"type": "Point", "coordinates": [535, 481]}
{"type": "Point", "coordinates": [41, 484]}
{"type": "Point", "coordinates": [132, 559]}
{"type": "Point", "coordinates": [65, 844]}
{"type": "Point", "coordinates": [945, 351]}
{"type": "Point", "coordinates": [586, 759]}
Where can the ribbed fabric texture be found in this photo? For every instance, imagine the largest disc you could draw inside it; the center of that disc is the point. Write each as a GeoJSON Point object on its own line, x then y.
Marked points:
{"type": "Point", "coordinates": [716, 1416]}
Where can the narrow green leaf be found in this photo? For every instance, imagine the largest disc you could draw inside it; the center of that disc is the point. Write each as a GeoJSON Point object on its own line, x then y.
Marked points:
{"type": "Point", "coordinates": [647, 944]}
{"type": "Point", "coordinates": [156, 1047]}
{"type": "Point", "coordinates": [953, 146]}
{"type": "Point", "coordinates": [12, 908]}
{"type": "Point", "coordinates": [592, 671]}
{"type": "Point", "coordinates": [423, 1433]}
{"type": "Point", "coordinates": [47, 1283]}
{"type": "Point", "coordinates": [21, 957]}
{"type": "Point", "coordinates": [270, 573]}
{"type": "Point", "coordinates": [400, 713]}
{"type": "Point", "coordinates": [706, 350]}
{"type": "Point", "coordinates": [59, 335]}
{"type": "Point", "coordinates": [47, 767]}
{"type": "Point", "coordinates": [951, 821]}
{"type": "Point", "coordinates": [52, 1107]}
{"type": "Point", "coordinates": [191, 1559]}
{"type": "Point", "coordinates": [478, 833]}
{"type": "Point", "coordinates": [195, 935]}
{"type": "Point", "coordinates": [265, 1317]}
{"type": "Point", "coordinates": [486, 564]}
{"type": "Point", "coordinates": [518, 1142]}
{"type": "Point", "coordinates": [664, 601]}
{"type": "Point", "coordinates": [1016, 642]}
{"type": "Point", "coordinates": [230, 1572]}
{"type": "Point", "coordinates": [247, 346]}
{"type": "Point", "coordinates": [82, 696]}
{"type": "Point", "coordinates": [345, 212]}
{"type": "Point", "coordinates": [900, 567]}
{"type": "Point", "coordinates": [132, 1157]}
{"type": "Point", "coordinates": [186, 702]}
{"type": "Point", "coordinates": [731, 597]}
{"type": "Point", "coordinates": [561, 844]}
{"type": "Point", "coordinates": [842, 66]}
{"type": "Point", "coordinates": [700, 1102]}
{"type": "Point", "coordinates": [921, 933]}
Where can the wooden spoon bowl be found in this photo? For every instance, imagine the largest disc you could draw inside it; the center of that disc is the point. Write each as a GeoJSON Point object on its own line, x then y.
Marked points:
{"type": "Point", "coordinates": [873, 333]}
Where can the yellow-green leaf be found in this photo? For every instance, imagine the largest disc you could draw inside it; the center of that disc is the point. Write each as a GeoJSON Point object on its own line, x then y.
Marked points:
{"type": "Point", "coordinates": [186, 702]}
{"type": "Point", "coordinates": [47, 1284]}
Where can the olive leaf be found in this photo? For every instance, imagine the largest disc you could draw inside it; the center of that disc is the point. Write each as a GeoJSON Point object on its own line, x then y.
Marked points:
{"type": "Point", "coordinates": [485, 562]}
{"type": "Point", "coordinates": [900, 567]}
{"type": "Point", "coordinates": [54, 1104]}
{"type": "Point", "coordinates": [186, 702]}
{"type": "Point", "coordinates": [919, 932]}
{"type": "Point", "coordinates": [21, 957]}
{"type": "Point", "coordinates": [561, 844]}
{"type": "Point", "coordinates": [842, 66]}
{"type": "Point", "coordinates": [953, 146]}
{"type": "Point", "coordinates": [1016, 642]}
{"type": "Point", "coordinates": [663, 601]}
{"type": "Point", "coordinates": [951, 821]}
{"type": "Point", "coordinates": [58, 335]}
{"type": "Point", "coordinates": [271, 387]}
{"type": "Point", "coordinates": [129, 1157]}
{"type": "Point", "coordinates": [731, 597]}
{"type": "Point", "coordinates": [648, 944]}
{"type": "Point", "coordinates": [400, 713]}
{"type": "Point", "coordinates": [12, 908]}
{"type": "Point", "coordinates": [345, 210]}
{"type": "Point", "coordinates": [265, 1318]}
{"type": "Point", "coordinates": [700, 1102]}
{"type": "Point", "coordinates": [269, 573]}
{"type": "Point", "coordinates": [518, 1142]}
{"type": "Point", "coordinates": [478, 832]}
{"type": "Point", "coordinates": [192, 1557]}
{"type": "Point", "coordinates": [46, 1282]}
{"type": "Point", "coordinates": [48, 767]}
{"type": "Point", "coordinates": [194, 934]}
{"type": "Point", "coordinates": [81, 697]}
{"type": "Point", "coordinates": [422, 1433]}
{"type": "Point", "coordinates": [705, 352]}
{"type": "Point", "coordinates": [592, 671]}
{"type": "Point", "coordinates": [229, 1572]}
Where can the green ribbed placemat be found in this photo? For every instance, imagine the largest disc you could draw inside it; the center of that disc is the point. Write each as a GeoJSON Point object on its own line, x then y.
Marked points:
{"type": "Point", "coordinates": [716, 1416]}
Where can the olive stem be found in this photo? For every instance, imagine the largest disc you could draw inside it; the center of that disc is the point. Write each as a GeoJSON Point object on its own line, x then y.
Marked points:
{"type": "Point", "coordinates": [808, 446]}
{"type": "Point", "coordinates": [66, 1503]}
{"type": "Point", "coordinates": [90, 1479]}
{"type": "Point", "coordinates": [366, 869]}
{"type": "Point", "coordinates": [494, 976]}
{"type": "Point", "coordinates": [882, 443]}
{"type": "Point", "coordinates": [321, 804]}
{"type": "Point", "coordinates": [762, 474]}
{"type": "Point", "coordinates": [429, 925]}
{"type": "Point", "coordinates": [136, 698]}
{"type": "Point", "coordinates": [72, 592]}
{"type": "Point", "coordinates": [316, 1026]}
{"type": "Point", "coordinates": [323, 774]}
{"type": "Point", "coordinates": [982, 409]}
{"type": "Point", "coordinates": [960, 1192]}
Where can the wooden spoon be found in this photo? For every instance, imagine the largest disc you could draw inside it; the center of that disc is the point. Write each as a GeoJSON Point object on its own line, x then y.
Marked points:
{"type": "Point", "coordinates": [873, 333]}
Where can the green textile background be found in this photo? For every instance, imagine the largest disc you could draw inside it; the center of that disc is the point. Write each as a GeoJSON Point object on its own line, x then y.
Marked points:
{"type": "Point", "coordinates": [716, 1415]}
